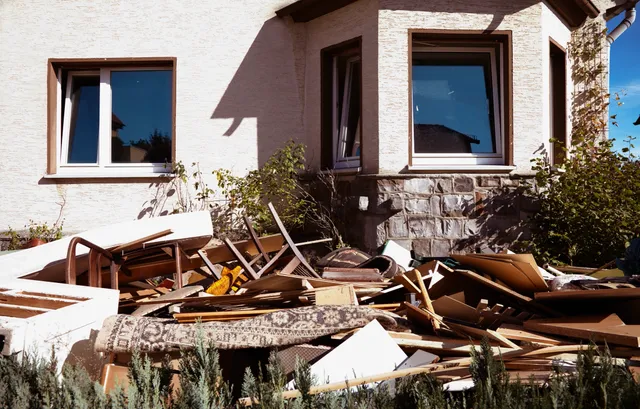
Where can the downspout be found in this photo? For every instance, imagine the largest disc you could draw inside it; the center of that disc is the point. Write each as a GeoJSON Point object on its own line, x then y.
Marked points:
{"type": "Point", "coordinates": [629, 18]}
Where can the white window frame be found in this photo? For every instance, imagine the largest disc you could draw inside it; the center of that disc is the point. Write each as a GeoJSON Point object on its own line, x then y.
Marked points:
{"type": "Point", "coordinates": [340, 161]}
{"type": "Point", "coordinates": [104, 166]}
{"type": "Point", "coordinates": [468, 159]}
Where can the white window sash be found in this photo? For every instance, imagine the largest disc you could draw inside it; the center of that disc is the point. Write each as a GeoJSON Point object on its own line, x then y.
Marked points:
{"type": "Point", "coordinates": [494, 158]}
{"type": "Point", "coordinates": [340, 132]}
{"type": "Point", "coordinates": [63, 123]}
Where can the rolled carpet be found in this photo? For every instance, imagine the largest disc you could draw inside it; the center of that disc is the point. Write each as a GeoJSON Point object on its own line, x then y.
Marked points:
{"type": "Point", "coordinates": [126, 333]}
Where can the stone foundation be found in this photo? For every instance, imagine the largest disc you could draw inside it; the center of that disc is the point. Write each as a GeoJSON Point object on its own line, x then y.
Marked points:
{"type": "Point", "coordinates": [437, 214]}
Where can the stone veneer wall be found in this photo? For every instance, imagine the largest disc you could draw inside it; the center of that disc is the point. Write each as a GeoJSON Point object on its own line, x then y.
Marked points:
{"type": "Point", "coordinates": [437, 214]}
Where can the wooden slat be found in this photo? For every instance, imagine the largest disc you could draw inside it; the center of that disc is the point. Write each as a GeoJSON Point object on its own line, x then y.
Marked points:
{"type": "Point", "coordinates": [619, 293]}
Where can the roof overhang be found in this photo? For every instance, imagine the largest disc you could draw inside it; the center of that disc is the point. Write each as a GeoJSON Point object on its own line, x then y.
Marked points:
{"type": "Point", "coordinates": [574, 12]}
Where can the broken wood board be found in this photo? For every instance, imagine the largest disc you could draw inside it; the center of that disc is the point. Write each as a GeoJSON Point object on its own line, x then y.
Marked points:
{"type": "Point", "coordinates": [479, 333]}
{"type": "Point", "coordinates": [420, 316]}
{"type": "Point", "coordinates": [609, 328]}
{"type": "Point", "coordinates": [401, 281]}
{"type": "Point", "coordinates": [168, 297]}
{"type": "Point", "coordinates": [507, 292]}
{"type": "Point", "coordinates": [518, 275]}
{"type": "Point", "coordinates": [449, 307]}
{"type": "Point", "coordinates": [288, 282]}
{"type": "Point", "coordinates": [352, 274]}
{"type": "Point", "coordinates": [342, 295]}
{"type": "Point", "coordinates": [368, 352]}
{"type": "Point", "coordinates": [618, 294]}
{"type": "Point", "coordinates": [518, 333]}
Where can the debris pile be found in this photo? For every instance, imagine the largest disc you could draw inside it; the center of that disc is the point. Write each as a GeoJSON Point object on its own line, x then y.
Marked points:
{"type": "Point", "coordinates": [357, 319]}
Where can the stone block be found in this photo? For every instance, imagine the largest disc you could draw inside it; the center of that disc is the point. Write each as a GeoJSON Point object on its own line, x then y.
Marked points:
{"type": "Point", "coordinates": [421, 186]}
{"type": "Point", "coordinates": [472, 227]}
{"type": "Point", "coordinates": [440, 248]}
{"type": "Point", "coordinates": [436, 205]}
{"type": "Point", "coordinates": [489, 181]}
{"type": "Point", "coordinates": [450, 228]}
{"type": "Point", "coordinates": [391, 185]}
{"type": "Point", "coordinates": [457, 205]}
{"type": "Point", "coordinates": [363, 203]}
{"type": "Point", "coordinates": [509, 182]}
{"type": "Point", "coordinates": [443, 185]}
{"type": "Point", "coordinates": [396, 204]}
{"type": "Point", "coordinates": [418, 206]}
{"type": "Point", "coordinates": [422, 248]}
{"type": "Point", "coordinates": [398, 227]}
{"type": "Point", "coordinates": [373, 232]}
{"type": "Point", "coordinates": [422, 227]}
{"type": "Point", "coordinates": [463, 184]}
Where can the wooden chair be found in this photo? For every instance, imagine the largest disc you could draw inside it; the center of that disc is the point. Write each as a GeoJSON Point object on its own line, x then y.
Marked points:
{"type": "Point", "coordinates": [298, 264]}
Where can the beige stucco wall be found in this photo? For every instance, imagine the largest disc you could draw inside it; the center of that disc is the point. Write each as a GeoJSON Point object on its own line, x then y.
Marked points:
{"type": "Point", "coordinates": [239, 92]}
{"type": "Point", "coordinates": [247, 81]}
{"type": "Point", "coordinates": [522, 17]}
{"type": "Point", "coordinates": [357, 19]}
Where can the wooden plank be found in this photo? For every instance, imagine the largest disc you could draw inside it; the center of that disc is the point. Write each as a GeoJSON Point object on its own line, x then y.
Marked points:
{"type": "Point", "coordinates": [168, 298]}
{"type": "Point", "coordinates": [479, 333]}
{"type": "Point", "coordinates": [139, 243]}
{"type": "Point", "coordinates": [31, 301]}
{"type": "Point", "coordinates": [618, 294]}
{"type": "Point", "coordinates": [518, 333]}
{"type": "Point", "coordinates": [406, 283]}
{"type": "Point", "coordinates": [352, 274]}
{"type": "Point", "coordinates": [285, 282]}
{"type": "Point", "coordinates": [20, 312]}
{"type": "Point", "coordinates": [426, 301]}
{"type": "Point", "coordinates": [342, 295]}
{"type": "Point", "coordinates": [609, 328]}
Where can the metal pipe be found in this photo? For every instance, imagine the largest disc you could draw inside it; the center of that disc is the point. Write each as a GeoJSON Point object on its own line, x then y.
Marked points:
{"type": "Point", "coordinates": [629, 18]}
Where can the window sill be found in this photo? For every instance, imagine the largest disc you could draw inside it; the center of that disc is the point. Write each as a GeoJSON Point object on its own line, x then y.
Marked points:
{"type": "Point", "coordinates": [108, 175]}
{"type": "Point", "coordinates": [342, 171]}
{"type": "Point", "coordinates": [462, 168]}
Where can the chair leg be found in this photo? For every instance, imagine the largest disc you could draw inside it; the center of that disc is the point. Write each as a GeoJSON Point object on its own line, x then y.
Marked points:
{"type": "Point", "coordinates": [243, 262]}
{"type": "Point", "coordinates": [255, 239]}
{"type": "Point", "coordinates": [290, 242]}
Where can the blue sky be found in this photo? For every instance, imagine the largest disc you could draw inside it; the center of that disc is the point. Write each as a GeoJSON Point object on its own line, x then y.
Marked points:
{"type": "Point", "coordinates": [625, 75]}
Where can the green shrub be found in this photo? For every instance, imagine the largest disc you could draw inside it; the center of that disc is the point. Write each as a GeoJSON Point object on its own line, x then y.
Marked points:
{"type": "Point", "coordinates": [589, 211]}
{"type": "Point", "coordinates": [41, 231]}
{"type": "Point", "coordinates": [33, 384]}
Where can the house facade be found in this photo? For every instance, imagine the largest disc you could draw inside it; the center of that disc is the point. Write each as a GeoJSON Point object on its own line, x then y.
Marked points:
{"type": "Point", "coordinates": [423, 107]}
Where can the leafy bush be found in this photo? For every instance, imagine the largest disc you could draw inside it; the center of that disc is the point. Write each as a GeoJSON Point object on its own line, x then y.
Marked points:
{"type": "Point", "coordinates": [41, 231]}
{"type": "Point", "coordinates": [33, 384]}
{"type": "Point", "coordinates": [276, 181]}
{"type": "Point", "coordinates": [590, 210]}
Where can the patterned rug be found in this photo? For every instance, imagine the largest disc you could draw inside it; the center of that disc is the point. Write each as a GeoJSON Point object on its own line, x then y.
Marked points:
{"type": "Point", "coordinates": [125, 333]}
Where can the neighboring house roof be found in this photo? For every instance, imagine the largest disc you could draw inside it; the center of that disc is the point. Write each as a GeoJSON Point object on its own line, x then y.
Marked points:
{"type": "Point", "coordinates": [441, 139]}
{"type": "Point", "coordinates": [116, 123]}
{"type": "Point", "coordinates": [575, 12]}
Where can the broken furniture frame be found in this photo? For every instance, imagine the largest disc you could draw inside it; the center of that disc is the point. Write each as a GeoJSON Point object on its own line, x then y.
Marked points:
{"type": "Point", "coordinates": [297, 263]}
{"type": "Point", "coordinates": [119, 257]}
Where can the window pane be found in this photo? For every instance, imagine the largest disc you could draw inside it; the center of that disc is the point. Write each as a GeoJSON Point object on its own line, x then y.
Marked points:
{"type": "Point", "coordinates": [453, 103]}
{"type": "Point", "coordinates": [141, 121]}
{"type": "Point", "coordinates": [85, 116]}
{"type": "Point", "coordinates": [353, 122]}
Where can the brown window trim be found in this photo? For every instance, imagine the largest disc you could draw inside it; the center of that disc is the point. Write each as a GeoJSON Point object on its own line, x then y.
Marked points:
{"type": "Point", "coordinates": [53, 64]}
{"type": "Point", "coordinates": [558, 100]}
{"type": "Point", "coordinates": [470, 38]}
{"type": "Point", "coordinates": [354, 46]}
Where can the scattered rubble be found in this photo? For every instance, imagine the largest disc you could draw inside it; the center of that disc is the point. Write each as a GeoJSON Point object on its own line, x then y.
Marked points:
{"type": "Point", "coordinates": [355, 318]}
